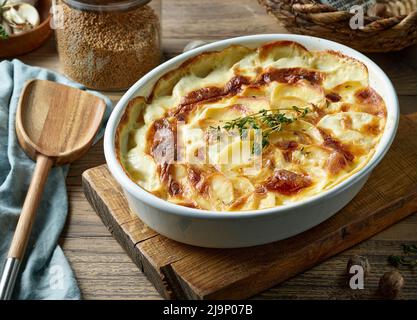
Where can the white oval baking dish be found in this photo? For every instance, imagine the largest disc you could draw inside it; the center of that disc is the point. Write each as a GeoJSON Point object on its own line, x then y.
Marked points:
{"type": "Point", "coordinates": [247, 228]}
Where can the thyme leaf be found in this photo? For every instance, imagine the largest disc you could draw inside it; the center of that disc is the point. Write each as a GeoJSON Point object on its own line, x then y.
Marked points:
{"type": "Point", "coordinates": [406, 261]}
{"type": "Point", "coordinates": [409, 248]}
{"type": "Point", "coordinates": [3, 34]}
{"type": "Point", "coordinates": [398, 261]}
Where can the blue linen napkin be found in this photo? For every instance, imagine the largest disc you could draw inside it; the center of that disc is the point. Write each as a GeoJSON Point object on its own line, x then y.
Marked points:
{"type": "Point", "coordinates": [45, 272]}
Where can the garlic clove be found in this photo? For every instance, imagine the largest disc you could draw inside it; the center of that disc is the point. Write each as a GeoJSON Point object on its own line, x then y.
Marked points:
{"type": "Point", "coordinates": [21, 17]}
{"type": "Point", "coordinates": [29, 13]}
{"type": "Point", "coordinates": [12, 16]}
{"type": "Point", "coordinates": [18, 31]}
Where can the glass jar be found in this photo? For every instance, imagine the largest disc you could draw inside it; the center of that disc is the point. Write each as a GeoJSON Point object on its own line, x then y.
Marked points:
{"type": "Point", "coordinates": [108, 44]}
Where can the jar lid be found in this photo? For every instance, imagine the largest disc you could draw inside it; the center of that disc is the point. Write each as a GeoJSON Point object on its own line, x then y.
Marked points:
{"type": "Point", "coordinates": [106, 5]}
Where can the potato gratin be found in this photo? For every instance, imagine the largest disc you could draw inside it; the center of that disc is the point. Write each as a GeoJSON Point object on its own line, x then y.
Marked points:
{"type": "Point", "coordinates": [245, 129]}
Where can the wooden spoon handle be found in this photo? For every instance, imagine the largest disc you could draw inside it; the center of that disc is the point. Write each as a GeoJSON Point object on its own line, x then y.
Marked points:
{"type": "Point", "coordinates": [24, 226]}
{"type": "Point", "coordinates": [27, 216]}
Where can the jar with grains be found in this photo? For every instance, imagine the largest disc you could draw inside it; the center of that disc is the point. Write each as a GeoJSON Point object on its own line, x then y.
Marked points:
{"type": "Point", "coordinates": [108, 44]}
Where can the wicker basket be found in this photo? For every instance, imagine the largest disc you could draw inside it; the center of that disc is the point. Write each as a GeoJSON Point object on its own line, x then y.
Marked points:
{"type": "Point", "coordinates": [395, 30]}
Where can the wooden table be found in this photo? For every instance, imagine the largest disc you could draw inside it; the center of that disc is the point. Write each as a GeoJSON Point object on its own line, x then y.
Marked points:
{"type": "Point", "coordinates": [104, 271]}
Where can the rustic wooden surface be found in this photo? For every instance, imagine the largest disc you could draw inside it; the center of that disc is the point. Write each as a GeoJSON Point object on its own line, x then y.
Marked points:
{"type": "Point", "coordinates": [186, 272]}
{"type": "Point", "coordinates": [103, 269]}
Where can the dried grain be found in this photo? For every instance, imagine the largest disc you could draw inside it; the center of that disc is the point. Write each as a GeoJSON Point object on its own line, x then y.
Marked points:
{"type": "Point", "coordinates": [108, 50]}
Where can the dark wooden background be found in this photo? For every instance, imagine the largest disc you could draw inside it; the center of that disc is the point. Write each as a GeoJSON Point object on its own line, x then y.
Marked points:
{"type": "Point", "coordinates": [104, 271]}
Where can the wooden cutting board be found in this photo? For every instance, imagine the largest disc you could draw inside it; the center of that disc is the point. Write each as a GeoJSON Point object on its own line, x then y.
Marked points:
{"type": "Point", "coordinates": [186, 272]}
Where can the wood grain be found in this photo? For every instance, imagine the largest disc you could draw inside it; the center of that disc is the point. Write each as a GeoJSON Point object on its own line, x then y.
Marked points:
{"type": "Point", "coordinates": [98, 259]}
{"type": "Point", "coordinates": [57, 121]}
{"type": "Point", "coordinates": [104, 270]}
{"type": "Point", "coordinates": [28, 214]}
{"type": "Point", "coordinates": [182, 271]}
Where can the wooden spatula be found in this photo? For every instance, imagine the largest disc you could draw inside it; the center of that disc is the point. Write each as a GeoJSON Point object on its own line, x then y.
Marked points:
{"type": "Point", "coordinates": [55, 125]}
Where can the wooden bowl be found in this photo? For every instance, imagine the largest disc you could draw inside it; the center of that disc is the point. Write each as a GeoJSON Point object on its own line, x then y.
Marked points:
{"type": "Point", "coordinates": [31, 40]}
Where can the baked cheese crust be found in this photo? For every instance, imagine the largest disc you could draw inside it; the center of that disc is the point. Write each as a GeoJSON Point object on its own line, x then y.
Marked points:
{"type": "Point", "coordinates": [174, 144]}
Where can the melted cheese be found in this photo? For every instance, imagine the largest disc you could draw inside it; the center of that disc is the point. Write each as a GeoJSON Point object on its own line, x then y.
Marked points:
{"type": "Point", "coordinates": [174, 143]}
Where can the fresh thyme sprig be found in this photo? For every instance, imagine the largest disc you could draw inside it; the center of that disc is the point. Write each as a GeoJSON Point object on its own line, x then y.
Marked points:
{"type": "Point", "coordinates": [273, 120]}
{"type": "Point", "coordinates": [3, 34]}
{"type": "Point", "coordinates": [398, 261]}
{"type": "Point", "coordinates": [409, 248]}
